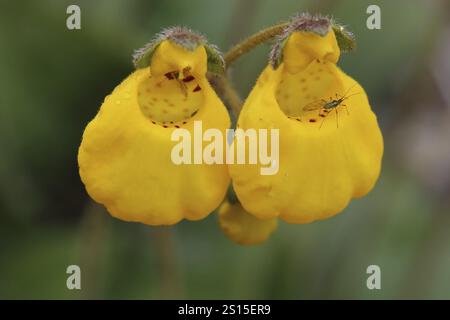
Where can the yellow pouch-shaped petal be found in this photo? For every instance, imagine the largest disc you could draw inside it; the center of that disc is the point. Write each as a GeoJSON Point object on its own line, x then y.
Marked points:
{"type": "Point", "coordinates": [242, 227]}
{"type": "Point", "coordinates": [328, 155]}
{"type": "Point", "coordinates": [125, 155]}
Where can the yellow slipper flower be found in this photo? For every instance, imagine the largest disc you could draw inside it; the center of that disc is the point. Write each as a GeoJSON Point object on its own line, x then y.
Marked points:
{"type": "Point", "coordinates": [242, 227]}
{"type": "Point", "coordinates": [330, 147]}
{"type": "Point", "coordinates": [125, 154]}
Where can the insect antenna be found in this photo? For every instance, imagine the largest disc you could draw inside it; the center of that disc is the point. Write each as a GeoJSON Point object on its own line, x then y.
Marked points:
{"type": "Point", "coordinates": [353, 94]}
{"type": "Point", "coordinates": [348, 90]}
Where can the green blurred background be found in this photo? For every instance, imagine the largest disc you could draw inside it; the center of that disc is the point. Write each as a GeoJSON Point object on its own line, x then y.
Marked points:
{"type": "Point", "coordinates": [53, 80]}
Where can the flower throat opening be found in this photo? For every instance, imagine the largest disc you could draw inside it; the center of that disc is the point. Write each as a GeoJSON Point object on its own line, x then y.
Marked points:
{"type": "Point", "coordinates": [302, 95]}
{"type": "Point", "coordinates": [170, 99]}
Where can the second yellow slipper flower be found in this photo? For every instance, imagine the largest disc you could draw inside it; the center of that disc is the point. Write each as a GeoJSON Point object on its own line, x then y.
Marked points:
{"type": "Point", "coordinates": [330, 143]}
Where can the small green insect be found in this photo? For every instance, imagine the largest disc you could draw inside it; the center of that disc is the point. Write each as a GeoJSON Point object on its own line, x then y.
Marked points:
{"type": "Point", "coordinates": [325, 106]}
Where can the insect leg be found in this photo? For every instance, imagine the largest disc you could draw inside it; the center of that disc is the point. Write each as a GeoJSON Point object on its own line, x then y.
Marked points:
{"type": "Point", "coordinates": [337, 118]}
{"type": "Point", "coordinates": [346, 108]}
{"type": "Point", "coordinates": [326, 114]}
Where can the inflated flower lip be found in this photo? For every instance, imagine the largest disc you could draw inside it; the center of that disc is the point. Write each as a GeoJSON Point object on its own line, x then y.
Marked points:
{"type": "Point", "coordinates": [327, 156]}
{"type": "Point", "coordinates": [242, 227]}
{"type": "Point", "coordinates": [125, 154]}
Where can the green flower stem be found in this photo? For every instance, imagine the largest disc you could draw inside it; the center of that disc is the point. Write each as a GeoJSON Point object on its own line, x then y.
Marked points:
{"type": "Point", "coordinates": [93, 233]}
{"type": "Point", "coordinates": [223, 84]}
{"type": "Point", "coordinates": [226, 90]}
{"type": "Point", "coordinates": [170, 284]}
{"type": "Point", "coordinates": [251, 42]}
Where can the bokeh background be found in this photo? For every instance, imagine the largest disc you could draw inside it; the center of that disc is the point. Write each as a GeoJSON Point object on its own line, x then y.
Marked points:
{"type": "Point", "coordinates": [52, 82]}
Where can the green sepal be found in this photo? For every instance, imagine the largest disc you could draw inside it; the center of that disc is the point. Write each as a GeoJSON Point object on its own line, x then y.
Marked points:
{"type": "Point", "coordinates": [142, 57]}
{"type": "Point", "coordinates": [276, 53]}
{"type": "Point", "coordinates": [185, 38]}
{"type": "Point", "coordinates": [216, 64]}
{"type": "Point", "coordinates": [345, 39]}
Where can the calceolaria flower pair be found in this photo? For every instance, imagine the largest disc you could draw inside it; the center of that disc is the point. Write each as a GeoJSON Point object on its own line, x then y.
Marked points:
{"type": "Point", "coordinates": [330, 145]}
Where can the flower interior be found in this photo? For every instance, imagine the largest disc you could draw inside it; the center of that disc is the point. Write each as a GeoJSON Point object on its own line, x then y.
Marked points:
{"type": "Point", "coordinates": [171, 98]}
{"type": "Point", "coordinates": [307, 95]}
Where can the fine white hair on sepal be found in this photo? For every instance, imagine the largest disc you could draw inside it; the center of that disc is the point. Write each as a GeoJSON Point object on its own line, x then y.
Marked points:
{"type": "Point", "coordinates": [318, 24]}
{"type": "Point", "coordinates": [182, 36]}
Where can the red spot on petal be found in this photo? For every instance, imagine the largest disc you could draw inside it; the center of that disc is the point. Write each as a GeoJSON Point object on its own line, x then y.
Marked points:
{"type": "Point", "coordinates": [197, 88]}
{"type": "Point", "coordinates": [171, 75]}
{"type": "Point", "coordinates": [188, 79]}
